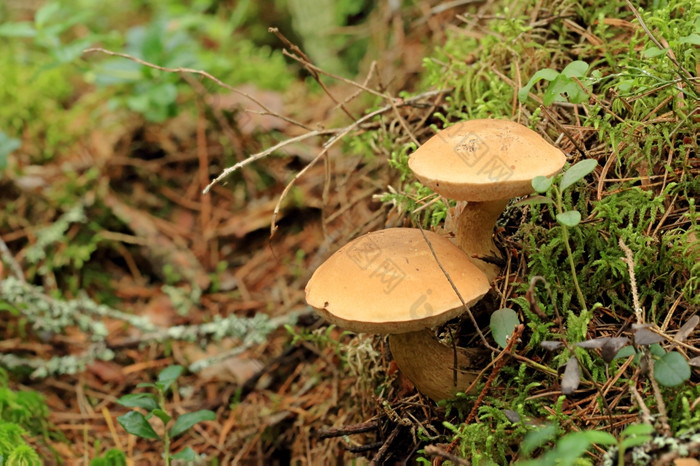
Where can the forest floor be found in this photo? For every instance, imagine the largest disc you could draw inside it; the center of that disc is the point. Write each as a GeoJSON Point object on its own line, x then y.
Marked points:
{"type": "Point", "coordinates": [114, 261]}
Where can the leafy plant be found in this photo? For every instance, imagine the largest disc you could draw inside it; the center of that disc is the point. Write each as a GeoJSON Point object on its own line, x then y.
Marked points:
{"type": "Point", "coordinates": [563, 86]}
{"type": "Point", "coordinates": [21, 413]}
{"type": "Point", "coordinates": [51, 22]}
{"type": "Point", "coordinates": [112, 457]}
{"type": "Point", "coordinates": [567, 218]}
{"type": "Point", "coordinates": [570, 447]}
{"type": "Point", "coordinates": [25, 408]}
{"type": "Point", "coordinates": [138, 424]}
{"type": "Point", "coordinates": [14, 450]}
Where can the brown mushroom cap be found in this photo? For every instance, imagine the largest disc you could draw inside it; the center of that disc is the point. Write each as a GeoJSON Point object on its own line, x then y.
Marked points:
{"type": "Point", "coordinates": [389, 282]}
{"type": "Point", "coordinates": [484, 160]}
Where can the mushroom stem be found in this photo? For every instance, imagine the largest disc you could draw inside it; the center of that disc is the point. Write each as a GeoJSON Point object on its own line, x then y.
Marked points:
{"type": "Point", "coordinates": [475, 233]}
{"type": "Point", "coordinates": [430, 365]}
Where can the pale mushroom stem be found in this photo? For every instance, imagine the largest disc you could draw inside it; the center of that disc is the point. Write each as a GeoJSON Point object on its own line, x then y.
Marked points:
{"type": "Point", "coordinates": [475, 233]}
{"type": "Point", "coordinates": [430, 365]}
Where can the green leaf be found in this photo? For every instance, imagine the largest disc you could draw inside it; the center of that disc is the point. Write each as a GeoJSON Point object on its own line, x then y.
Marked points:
{"type": "Point", "coordinates": [600, 437]}
{"type": "Point", "coordinates": [657, 350]}
{"type": "Point", "coordinates": [577, 172]}
{"type": "Point", "coordinates": [625, 352]}
{"type": "Point", "coordinates": [188, 454]}
{"type": "Point", "coordinates": [638, 429]}
{"type": "Point", "coordinates": [575, 69]}
{"type": "Point", "coordinates": [162, 415]}
{"type": "Point", "coordinates": [541, 183]}
{"type": "Point", "coordinates": [168, 376]}
{"type": "Point", "coordinates": [652, 52]}
{"type": "Point", "coordinates": [634, 441]}
{"type": "Point", "coordinates": [571, 447]}
{"type": "Point", "coordinates": [503, 322]}
{"type": "Point", "coordinates": [693, 39]}
{"type": "Point", "coordinates": [45, 13]}
{"type": "Point", "coordinates": [547, 73]}
{"type": "Point", "coordinates": [560, 89]}
{"type": "Point", "coordinates": [7, 146]}
{"type": "Point", "coordinates": [536, 438]}
{"type": "Point", "coordinates": [146, 385]}
{"type": "Point", "coordinates": [19, 29]}
{"type": "Point", "coordinates": [671, 369]}
{"type": "Point", "coordinates": [187, 420]}
{"type": "Point", "coordinates": [570, 218]}
{"type": "Point", "coordinates": [70, 52]}
{"type": "Point", "coordinates": [136, 424]}
{"type": "Point", "coordinates": [146, 401]}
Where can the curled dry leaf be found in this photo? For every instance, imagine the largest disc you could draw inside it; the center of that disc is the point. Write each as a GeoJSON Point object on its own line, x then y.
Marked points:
{"type": "Point", "coordinates": [571, 378]}
{"type": "Point", "coordinates": [593, 344]}
{"type": "Point", "coordinates": [645, 337]}
{"type": "Point", "coordinates": [611, 347]}
{"type": "Point", "coordinates": [695, 362]}
{"type": "Point", "coordinates": [551, 345]}
{"type": "Point", "coordinates": [530, 296]}
{"type": "Point", "coordinates": [511, 415]}
{"type": "Point", "coordinates": [685, 330]}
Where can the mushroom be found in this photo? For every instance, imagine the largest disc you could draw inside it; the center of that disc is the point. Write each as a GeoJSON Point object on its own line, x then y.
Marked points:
{"type": "Point", "coordinates": [388, 282]}
{"type": "Point", "coordinates": [485, 162]}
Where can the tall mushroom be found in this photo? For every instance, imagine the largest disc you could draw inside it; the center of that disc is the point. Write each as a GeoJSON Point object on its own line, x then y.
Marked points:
{"type": "Point", "coordinates": [388, 282]}
{"type": "Point", "coordinates": [487, 163]}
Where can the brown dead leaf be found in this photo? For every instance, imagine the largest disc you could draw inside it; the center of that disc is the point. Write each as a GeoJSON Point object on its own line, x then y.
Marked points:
{"type": "Point", "coordinates": [159, 249]}
{"type": "Point", "coordinates": [249, 121]}
{"type": "Point", "coordinates": [160, 311]}
{"type": "Point", "coordinates": [107, 371]}
{"type": "Point", "coordinates": [236, 369]}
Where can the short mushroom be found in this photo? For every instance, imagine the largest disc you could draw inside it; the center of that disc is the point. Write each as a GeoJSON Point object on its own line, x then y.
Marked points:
{"type": "Point", "coordinates": [388, 282]}
{"type": "Point", "coordinates": [485, 162]}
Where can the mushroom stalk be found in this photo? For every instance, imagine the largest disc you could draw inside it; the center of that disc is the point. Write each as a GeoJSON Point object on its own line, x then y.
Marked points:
{"type": "Point", "coordinates": [475, 233]}
{"type": "Point", "coordinates": [430, 365]}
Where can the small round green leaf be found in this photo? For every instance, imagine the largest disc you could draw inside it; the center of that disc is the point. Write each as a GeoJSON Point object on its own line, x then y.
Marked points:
{"type": "Point", "coordinates": [136, 424]}
{"type": "Point", "coordinates": [570, 218]}
{"type": "Point", "coordinates": [541, 183]}
{"type": "Point", "coordinates": [187, 420]}
{"type": "Point", "coordinates": [503, 322]}
{"type": "Point", "coordinates": [671, 369]}
{"type": "Point", "coordinates": [577, 172]}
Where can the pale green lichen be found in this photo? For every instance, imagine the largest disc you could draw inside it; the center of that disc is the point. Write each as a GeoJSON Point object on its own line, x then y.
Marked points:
{"type": "Point", "coordinates": [49, 316]}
